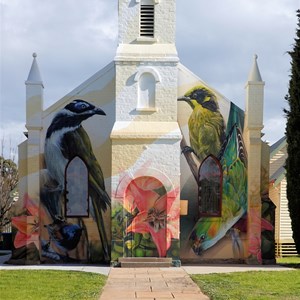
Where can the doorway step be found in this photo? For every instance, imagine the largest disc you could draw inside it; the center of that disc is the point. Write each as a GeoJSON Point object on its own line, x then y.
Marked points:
{"type": "Point", "coordinates": [145, 262]}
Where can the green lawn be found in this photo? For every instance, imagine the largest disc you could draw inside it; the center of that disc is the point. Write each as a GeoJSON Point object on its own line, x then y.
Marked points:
{"type": "Point", "coordinates": [292, 262]}
{"type": "Point", "coordinates": [264, 285]}
{"type": "Point", "coordinates": [46, 284]}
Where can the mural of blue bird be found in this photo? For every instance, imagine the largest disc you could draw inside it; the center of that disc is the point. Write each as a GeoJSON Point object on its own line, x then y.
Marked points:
{"type": "Point", "coordinates": [65, 139]}
{"type": "Point", "coordinates": [209, 230]}
{"type": "Point", "coordinates": [64, 235]}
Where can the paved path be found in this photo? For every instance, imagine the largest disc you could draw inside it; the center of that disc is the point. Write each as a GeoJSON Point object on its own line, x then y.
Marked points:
{"type": "Point", "coordinates": [150, 283]}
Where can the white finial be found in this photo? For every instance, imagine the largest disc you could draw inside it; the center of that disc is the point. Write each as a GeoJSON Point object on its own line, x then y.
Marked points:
{"type": "Point", "coordinates": [34, 75]}
{"type": "Point", "coordinates": [254, 74]}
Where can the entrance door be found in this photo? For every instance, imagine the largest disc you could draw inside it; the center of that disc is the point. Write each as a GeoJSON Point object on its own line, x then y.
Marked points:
{"type": "Point", "coordinates": [146, 232]}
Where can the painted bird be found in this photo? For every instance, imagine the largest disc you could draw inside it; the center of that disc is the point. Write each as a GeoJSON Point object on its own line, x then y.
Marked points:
{"type": "Point", "coordinates": [64, 235]}
{"type": "Point", "coordinates": [209, 230]}
{"type": "Point", "coordinates": [65, 139]}
{"type": "Point", "coordinates": [206, 124]}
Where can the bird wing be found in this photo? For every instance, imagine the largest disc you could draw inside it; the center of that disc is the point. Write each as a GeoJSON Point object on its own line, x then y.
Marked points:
{"type": "Point", "coordinates": [77, 143]}
{"type": "Point", "coordinates": [233, 159]}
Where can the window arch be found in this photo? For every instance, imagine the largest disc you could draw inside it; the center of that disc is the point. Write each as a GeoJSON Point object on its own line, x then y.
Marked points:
{"type": "Point", "coordinates": [76, 188]}
{"type": "Point", "coordinates": [210, 178]}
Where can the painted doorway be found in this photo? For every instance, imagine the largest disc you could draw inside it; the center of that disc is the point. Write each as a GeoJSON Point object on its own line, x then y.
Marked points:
{"type": "Point", "coordinates": [146, 233]}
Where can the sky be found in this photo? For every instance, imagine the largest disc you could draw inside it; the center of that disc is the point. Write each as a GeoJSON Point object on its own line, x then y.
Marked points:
{"type": "Point", "coordinates": [74, 39]}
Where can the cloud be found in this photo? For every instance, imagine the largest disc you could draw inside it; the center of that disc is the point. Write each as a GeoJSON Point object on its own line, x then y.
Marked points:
{"type": "Point", "coordinates": [215, 39]}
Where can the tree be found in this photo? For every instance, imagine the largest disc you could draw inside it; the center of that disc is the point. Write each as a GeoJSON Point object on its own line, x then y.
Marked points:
{"type": "Point", "coordinates": [8, 189]}
{"type": "Point", "coordinates": [293, 139]}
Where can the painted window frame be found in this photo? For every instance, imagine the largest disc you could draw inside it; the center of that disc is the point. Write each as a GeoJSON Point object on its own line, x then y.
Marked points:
{"type": "Point", "coordinates": [218, 212]}
{"type": "Point", "coordinates": [66, 191]}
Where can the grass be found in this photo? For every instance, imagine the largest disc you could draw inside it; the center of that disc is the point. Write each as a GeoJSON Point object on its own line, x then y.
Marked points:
{"type": "Point", "coordinates": [291, 262]}
{"type": "Point", "coordinates": [264, 285]}
{"type": "Point", "coordinates": [48, 284]}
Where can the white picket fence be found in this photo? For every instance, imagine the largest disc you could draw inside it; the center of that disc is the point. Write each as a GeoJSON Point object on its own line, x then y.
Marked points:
{"type": "Point", "coordinates": [7, 228]}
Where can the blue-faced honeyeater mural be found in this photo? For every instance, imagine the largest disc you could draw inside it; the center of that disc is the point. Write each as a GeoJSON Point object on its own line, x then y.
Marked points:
{"type": "Point", "coordinates": [66, 139]}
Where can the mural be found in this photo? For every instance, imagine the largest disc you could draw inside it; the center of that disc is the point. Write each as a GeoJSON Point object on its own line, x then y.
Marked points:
{"type": "Point", "coordinates": [65, 140]}
{"type": "Point", "coordinates": [26, 231]}
{"type": "Point", "coordinates": [70, 218]}
{"type": "Point", "coordinates": [217, 158]}
{"type": "Point", "coordinates": [72, 191]}
{"type": "Point", "coordinates": [149, 217]}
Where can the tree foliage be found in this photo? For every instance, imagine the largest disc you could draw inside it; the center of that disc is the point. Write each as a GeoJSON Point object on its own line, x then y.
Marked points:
{"type": "Point", "coordinates": [293, 139]}
{"type": "Point", "coordinates": [8, 193]}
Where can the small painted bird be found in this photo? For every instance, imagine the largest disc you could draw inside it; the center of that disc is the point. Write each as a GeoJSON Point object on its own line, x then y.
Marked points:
{"type": "Point", "coordinates": [209, 230]}
{"type": "Point", "coordinates": [64, 235]}
{"type": "Point", "coordinates": [206, 124]}
{"type": "Point", "coordinates": [65, 139]}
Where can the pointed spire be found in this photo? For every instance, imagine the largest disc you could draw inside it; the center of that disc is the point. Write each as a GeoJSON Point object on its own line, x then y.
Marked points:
{"type": "Point", "coordinates": [254, 74]}
{"type": "Point", "coordinates": [34, 76]}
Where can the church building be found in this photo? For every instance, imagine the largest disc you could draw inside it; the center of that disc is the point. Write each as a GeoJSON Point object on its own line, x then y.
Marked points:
{"type": "Point", "coordinates": [144, 160]}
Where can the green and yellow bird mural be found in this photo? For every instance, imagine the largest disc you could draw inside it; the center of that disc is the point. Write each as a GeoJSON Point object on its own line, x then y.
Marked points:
{"type": "Point", "coordinates": [206, 123]}
{"type": "Point", "coordinates": [209, 230]}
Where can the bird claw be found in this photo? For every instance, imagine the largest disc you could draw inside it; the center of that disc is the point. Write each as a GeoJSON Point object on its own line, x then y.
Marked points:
{"type": "Point", "coordinates": [187, 149]}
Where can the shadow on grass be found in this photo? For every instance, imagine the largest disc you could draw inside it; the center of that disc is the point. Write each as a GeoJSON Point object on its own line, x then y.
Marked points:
{"type": "Point", "coordinates": [289, 262]}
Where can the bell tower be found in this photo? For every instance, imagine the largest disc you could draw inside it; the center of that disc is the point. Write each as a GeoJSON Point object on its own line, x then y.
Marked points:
{"type": "Point", "coordinates": [146, 136]}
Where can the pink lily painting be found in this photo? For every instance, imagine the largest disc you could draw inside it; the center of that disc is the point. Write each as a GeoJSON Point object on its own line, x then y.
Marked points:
{"type": "Point", "coordinates": [157, 213]}
{"type": "Point", "coordinates": [27, 224]}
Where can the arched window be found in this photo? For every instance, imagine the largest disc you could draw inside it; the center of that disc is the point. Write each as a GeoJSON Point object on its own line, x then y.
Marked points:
{"type": "Point", "coordinates": [76, 192]}
{"type": "Point", "coordinates": [210, 187]}
{"type": "Point", "coordinates": [146, 98]}
{"type": "Point", "coordinates": [147, 79]}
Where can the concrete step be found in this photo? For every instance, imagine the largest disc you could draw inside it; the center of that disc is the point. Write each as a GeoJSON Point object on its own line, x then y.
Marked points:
{"type": "Point", "coordinates": [145, 262]}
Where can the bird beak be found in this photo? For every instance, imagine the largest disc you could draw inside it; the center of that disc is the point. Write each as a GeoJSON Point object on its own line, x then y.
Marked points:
{"type": "Point", "coordinates": [99, 111]}
{"type": "Point", "coordinates": [183, 98]}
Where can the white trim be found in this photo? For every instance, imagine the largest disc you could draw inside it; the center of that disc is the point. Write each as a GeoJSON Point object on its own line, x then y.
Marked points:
{"type": "Point", "coordinates": [144, 39]}
{"type": "Point", "coordinates": [148, 2]}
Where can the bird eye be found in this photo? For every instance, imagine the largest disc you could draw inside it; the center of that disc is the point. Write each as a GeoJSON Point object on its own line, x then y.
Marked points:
{"type": "Point", "coordinates": [202, 237]}
{"type": "Point", "coordinates": [81, 105]}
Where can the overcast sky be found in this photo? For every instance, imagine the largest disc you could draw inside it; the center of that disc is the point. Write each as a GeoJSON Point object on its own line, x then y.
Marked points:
{"type": "Point", "coordinates": [215, 39]}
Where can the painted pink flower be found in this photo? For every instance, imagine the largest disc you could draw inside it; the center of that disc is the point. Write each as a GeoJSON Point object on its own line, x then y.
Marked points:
{"type": "Point", "coordinates": [27, 225]}
{"type": "Point", "coordinates": [157, 213]}
{"type": "Point", "coordinates": [254, 247]}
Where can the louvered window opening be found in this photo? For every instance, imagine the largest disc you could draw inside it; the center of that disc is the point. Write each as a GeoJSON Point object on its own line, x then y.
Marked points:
{"type": "Point", "coordinates": [147, 21]}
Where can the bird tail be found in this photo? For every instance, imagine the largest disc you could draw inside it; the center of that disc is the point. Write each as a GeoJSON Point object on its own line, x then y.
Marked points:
{"type": "Point", "coordinates": [51, 200]}
{"type": "Point", "coordinates": [50, 194]}
{"type": "Point", "coordinates": [98, 214]}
